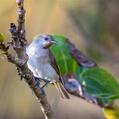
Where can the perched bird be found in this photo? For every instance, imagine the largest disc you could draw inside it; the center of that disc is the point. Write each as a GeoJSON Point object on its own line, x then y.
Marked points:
{"type": "Point", "coordinates": [42, 63]}
{"type": "Point", "coordinates": [65, 66]}
{"type": "Point", "coordinates": [68, 68]}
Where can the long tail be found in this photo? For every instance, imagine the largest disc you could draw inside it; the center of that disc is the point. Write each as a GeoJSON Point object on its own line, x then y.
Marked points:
{"type": "Point", "coordinates": [61, 90]}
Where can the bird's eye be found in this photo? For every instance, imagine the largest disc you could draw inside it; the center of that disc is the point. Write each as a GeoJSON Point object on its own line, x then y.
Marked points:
{"type": "Point", "coordinates": [46, 38]}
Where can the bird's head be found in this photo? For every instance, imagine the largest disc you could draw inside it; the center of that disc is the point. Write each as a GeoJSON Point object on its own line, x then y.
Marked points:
{"type": "Point", "coordinates": [45, 41]}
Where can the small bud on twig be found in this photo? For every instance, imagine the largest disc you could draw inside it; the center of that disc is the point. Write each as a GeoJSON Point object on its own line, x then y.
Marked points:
{"type": "Point", "coordinates": [19, 1]}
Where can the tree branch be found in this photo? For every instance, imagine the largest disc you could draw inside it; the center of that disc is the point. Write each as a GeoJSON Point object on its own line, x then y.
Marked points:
{"type": "Point", "coordinates": [20, 60]}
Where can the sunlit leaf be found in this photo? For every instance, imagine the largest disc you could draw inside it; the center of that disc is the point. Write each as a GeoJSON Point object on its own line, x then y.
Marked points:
{"type": "Point", "coordinates": [1, 37]}
{"type": "Point", "coordinates": [62, 55]}
{"type": "Point", "coordinates": [99, 83]}
{"type": "Point", "coordinates": [111, 113]}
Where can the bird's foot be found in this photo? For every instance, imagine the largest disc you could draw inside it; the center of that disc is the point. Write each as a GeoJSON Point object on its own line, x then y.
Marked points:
{"type": "Point", "coordinates": [46, 83]}
{"type": "Point", "coordinates": [37, 80]}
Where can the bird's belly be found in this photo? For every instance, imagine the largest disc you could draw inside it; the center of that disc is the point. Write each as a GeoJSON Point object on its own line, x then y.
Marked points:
{"type": "Point", "coordinates": [44, 71]}
{"type": "Point", "coordinates": [34, 70]}
{"type": "Point", "coordinates": [49, 72]}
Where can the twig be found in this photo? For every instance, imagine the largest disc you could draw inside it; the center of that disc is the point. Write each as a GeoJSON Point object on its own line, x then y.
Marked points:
{"type": "Point", "coordinates": [20, 60]}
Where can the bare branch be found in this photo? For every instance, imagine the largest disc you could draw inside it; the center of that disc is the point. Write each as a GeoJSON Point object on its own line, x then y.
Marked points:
{"type": "Point", "coordinates": [20, 60]}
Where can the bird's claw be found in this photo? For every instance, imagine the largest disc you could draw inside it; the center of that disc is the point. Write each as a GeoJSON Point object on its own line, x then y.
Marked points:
{"type": "Point", "coordinates": [46, 83]}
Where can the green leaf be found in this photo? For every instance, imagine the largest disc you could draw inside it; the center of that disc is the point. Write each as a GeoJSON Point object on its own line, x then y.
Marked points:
{"type": "Point", "coordinates": [62, 55]}
{"type": "Point", "coordinates": [99, 83]}
{"type": "Point", "coordinates": [1, 37]}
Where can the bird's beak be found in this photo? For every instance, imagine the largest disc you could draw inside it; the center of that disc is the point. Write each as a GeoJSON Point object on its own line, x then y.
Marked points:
{"type": "Point", "coordinates": [48, 44]}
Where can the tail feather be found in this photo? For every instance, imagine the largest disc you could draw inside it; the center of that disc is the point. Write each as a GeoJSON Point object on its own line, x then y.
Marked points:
{"type": "Point", "coordinates": [61, 90]}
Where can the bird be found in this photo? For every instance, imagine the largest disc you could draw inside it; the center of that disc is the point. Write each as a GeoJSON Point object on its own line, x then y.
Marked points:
{"type": "Point", "coordinates": [42, 63]}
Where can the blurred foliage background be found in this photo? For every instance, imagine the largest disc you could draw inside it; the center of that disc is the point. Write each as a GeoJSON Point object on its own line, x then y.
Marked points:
{"type": "Point", "coordinates": [91, 24]}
